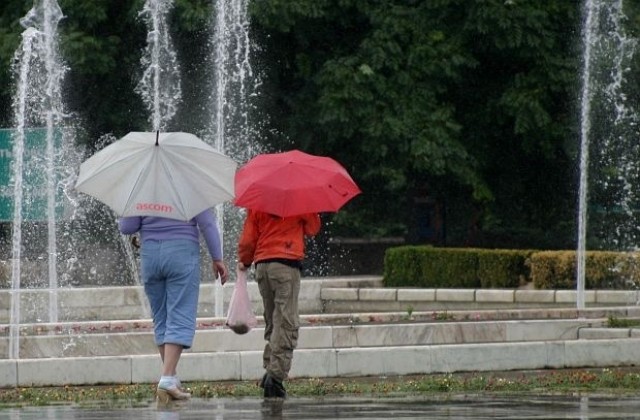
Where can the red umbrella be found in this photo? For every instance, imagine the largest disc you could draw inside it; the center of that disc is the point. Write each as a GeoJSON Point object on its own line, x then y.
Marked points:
{"type": "Point", "coordinates": [292, 183]}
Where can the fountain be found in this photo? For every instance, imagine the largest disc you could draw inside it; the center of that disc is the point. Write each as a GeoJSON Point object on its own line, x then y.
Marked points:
{"type": "Point", "coordinates": [160, 84]}
{"type": "Point", "coordinates": [612, 197]}
{"type": "Point", "coordinates": [38, 103]}
{"type": "Point", "coordinates": [230, 126]}
{"type": "Point", "coordinates": [73, 220]}
{"type": "Point", "coordinates": [230, 129]}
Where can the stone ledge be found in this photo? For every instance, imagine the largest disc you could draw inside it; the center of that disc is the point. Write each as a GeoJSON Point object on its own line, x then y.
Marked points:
{"type": "Point", "coordinates": [495, 295]}
{"type": "Point", "coordinates": [603, 333]}
{"type": "Point", "coordinates": [607, 297]}
{"type": "Point", "coordinates": [335, 362]}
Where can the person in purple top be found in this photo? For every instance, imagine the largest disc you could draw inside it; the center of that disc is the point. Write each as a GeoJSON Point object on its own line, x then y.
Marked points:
{"type": "Point", "coordinates": [170, 273]}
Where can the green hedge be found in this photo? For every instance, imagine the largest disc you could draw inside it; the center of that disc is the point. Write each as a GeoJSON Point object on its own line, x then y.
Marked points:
{"type": "Point", "coordinates": [441, 267]}
{"type": "Point", "coordinates": [503, 268]}
{"type": "Point", "coordinates": [603, 270]}
{"type": "Point", "coordinates": [430, 267]}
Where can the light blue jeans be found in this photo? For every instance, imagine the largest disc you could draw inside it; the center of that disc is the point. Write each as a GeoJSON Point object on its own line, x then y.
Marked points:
{"type": "Point", "coordinates": [170, 272]}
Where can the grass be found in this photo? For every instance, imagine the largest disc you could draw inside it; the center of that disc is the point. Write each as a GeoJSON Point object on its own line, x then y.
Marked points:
{"type": "Point", "coordinates": [614, 322]}
{"type": "Point", "coordinates": [602, 381]}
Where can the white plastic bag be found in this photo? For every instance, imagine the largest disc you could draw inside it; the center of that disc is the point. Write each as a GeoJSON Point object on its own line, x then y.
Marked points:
{"type": "Point", "coordinates": [240, 316]}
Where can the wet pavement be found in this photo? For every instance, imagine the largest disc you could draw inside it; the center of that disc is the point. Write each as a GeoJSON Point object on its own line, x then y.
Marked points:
{"type": "Point", "coordinates": [450, 407]}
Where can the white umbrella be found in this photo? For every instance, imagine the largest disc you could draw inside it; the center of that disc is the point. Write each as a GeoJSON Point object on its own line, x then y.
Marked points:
{"type": "Point", "coordinates": [173, 175]}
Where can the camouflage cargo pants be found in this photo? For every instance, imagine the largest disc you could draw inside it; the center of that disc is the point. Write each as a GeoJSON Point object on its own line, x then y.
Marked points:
{"type": "Point", "coordinates": [279, 286]}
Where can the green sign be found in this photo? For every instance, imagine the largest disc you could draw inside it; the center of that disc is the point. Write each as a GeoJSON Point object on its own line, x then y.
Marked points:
{"type": "Point", "coordinates": [34, 174]}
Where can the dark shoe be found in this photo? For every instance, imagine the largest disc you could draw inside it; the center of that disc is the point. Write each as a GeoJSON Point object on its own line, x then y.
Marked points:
{"type": "Point", "coordinates": [260, 383]}
{"type": "Point", "coordinates": [273, 388]}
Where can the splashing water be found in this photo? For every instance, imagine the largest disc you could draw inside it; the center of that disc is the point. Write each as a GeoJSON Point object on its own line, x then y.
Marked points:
{"type": "Point", "coordinates": [37, 102]}
{"type": "Point", "coordinates": [38, 73]}
{"type": "Point", "coordinates": [159, 89]}
{"type": "Point", "coordinates": [613, 191]}
{"type": "Point", "coordinates": [160, 84]}
{"type": "Point", "coordinates": [234, 84]}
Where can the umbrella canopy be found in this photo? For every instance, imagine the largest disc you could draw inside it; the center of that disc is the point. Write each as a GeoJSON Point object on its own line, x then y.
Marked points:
{"type": "Point", "coordinates": [292, 183]}
{"type": "Point", "coordinates": [173, 175]}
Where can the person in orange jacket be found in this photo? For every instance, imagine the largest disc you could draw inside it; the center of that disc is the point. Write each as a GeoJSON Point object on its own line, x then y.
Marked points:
{"type": "Point", "coordinates": [276, 246]}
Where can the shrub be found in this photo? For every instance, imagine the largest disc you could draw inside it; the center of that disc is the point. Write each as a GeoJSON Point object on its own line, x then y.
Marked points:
{"type": "Point", "coordinates": [603, 269]}
{"type": "Point", "coordinates": [500, 268]}
{"type": "Point", "coordinates": [427, 266]}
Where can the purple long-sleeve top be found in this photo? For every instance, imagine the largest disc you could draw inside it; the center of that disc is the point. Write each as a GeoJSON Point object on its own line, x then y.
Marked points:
{"type": "Point", "coordinates": [161, 228]}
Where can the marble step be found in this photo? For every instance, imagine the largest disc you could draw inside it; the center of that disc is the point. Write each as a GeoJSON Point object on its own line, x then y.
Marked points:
{"type": "Point", "coordinates": [363, 299]}
{"type": "Point", "coordinates": [340, 295]}
{"type": "Point", "coordinates": [129, 302]}
{"type": "Point", "coordinates": [328, 363]}
{"type": "Point", "coordinates": [349, 319]}
{"type": "Point", "coordinates": [311, 337]}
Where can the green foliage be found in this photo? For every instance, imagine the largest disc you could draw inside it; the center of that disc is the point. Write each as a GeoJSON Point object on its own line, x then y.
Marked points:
{"type": "Point", "coordinates": [469, 102]}
{"type": "Point", "coordinates": [192, 15]}
{"type": "Point", "coordinates": [614, 322]}
{"type": "Point", "coordinates": [12, 11]}
{"type": "Point", "coordinates": [442, 267]}
{"type": "Point", "coordinates": [603, 270]}
{"type": "Point", "coordinates": [550, 381]}
{"type": "Point", "coordinates": [503, 268]}
{"type": "Point", "coordinates": [400, 264]}
{"type": "Point", "coordinates": [425, 266]}
{"type": "Point", "coordinates": [408, 94]}
{"type": "Point", "coordinates": [553, 269]}
{"type": "Point", "coordinates": [101, 44]}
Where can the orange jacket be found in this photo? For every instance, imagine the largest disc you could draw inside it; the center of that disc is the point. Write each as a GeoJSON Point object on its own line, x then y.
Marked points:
{"type": "Point", "coordinates": [265, 236]}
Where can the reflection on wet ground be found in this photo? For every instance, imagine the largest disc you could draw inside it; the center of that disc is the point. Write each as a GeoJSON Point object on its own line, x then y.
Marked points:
{"type": "Point", "coordinates": [452, 407]}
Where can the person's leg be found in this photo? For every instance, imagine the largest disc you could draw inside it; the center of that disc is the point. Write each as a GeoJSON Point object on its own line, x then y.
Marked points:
{"type": "Point", "coordinates": [172, 353]}
{"type": "Point", "coordinates": [286, 324]}
{"type": "Point", "coordinates": [266, 293]}
{"type": "Point", "coordinates": [161, 351]}
{"type": "Point", "coordinates": [155, 289]}
{"type": "Point", "coordinates": [285, 282]}
{"type": "Point", "coordinates": [181, 265]}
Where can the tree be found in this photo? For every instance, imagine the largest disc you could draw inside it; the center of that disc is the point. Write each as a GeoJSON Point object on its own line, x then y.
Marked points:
{"type": "Point", "coordinates": [471, 102]}
{"type": "Point", "coordinates": [101, 43]}
{"type": "Point", "coordinates": [372, 91]}
{"type": "Point", "coordinates": [415, 95]}
{"type": "Point", "coordinates": [10, 29]}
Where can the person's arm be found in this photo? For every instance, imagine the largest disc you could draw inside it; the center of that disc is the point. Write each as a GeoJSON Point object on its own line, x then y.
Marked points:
{"type": "Point", "coordinates": [311, 224]}
{"type": "Point", "coordinates": [248, 241]}
{"type": "Point", "coordinates": [208, 225]}
{"type": "Point", "coordinates": [129, 225]}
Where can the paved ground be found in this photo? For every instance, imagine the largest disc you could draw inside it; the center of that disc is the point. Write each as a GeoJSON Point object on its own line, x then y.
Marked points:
{"type": "Point", "coordinates": [475, 407]}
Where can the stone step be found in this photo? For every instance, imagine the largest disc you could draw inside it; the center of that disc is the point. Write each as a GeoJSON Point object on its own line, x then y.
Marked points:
{"type": "Point", "coordinates": [350, 327]}
{"type": "Point", "coordinates": [311, 337]}
{"type": "Point", "coordinates": [350, 319]}
{"type": "Point", "coordinates": [129, 302]}
{"type": "Point", "coordinates": [363, 299]}
{"type": "Point", "coordinates": [329, 331]}
{"type": "Point", "coordinates": [328, 363]}
{"type": "Point", "coordinates": [337, 295]}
